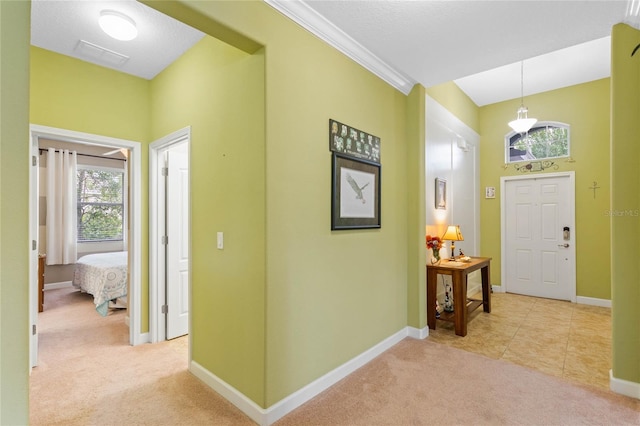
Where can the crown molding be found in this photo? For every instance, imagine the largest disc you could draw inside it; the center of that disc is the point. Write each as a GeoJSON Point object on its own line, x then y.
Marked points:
{"type": "Point", "coordinates": [301, 13]}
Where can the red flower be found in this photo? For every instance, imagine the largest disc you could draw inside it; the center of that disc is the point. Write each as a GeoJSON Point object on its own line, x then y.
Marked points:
{"type": "Point", "coordinates": [434, 242]}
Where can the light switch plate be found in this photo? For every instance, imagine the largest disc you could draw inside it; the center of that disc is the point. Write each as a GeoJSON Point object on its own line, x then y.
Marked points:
{"type": "Point", "coordinates": [221, 240]}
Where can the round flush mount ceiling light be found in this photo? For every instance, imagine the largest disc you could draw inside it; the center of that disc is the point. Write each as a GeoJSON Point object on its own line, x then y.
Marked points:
{"type": "Point", "coordinates": [118, 25]}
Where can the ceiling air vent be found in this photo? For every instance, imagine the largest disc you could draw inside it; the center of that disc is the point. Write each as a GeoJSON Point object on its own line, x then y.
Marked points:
{"type": "Point", "coordinates": [100, 54]}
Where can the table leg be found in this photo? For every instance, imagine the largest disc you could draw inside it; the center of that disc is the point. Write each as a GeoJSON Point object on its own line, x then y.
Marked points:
{"type": "Point", "coordinates": [432, 280]}
{"type": "Point", "coordinates": [460, 302]}
{"type": "Point", "coordinates": [486, 288]}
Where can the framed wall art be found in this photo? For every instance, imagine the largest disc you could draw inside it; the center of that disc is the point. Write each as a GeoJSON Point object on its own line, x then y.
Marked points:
{"type": "Point", "coordinates": [355, 193]}
{"type": "Point", "coordinates": [441, 193]}
{"type": "Point", "coordinates": [349, 141]}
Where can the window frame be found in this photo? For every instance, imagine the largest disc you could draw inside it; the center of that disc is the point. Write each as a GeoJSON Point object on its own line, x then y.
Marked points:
{"type": "Point", "coordinates": [125, 198]}
{"type": "Point", "coordinates": [556, 124]}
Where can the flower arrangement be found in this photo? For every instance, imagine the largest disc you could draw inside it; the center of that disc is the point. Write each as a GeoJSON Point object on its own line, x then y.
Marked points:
{"type": "Point", "coordinates": [435, 244]}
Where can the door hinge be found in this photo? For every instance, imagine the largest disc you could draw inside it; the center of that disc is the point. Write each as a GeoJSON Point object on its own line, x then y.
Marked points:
{"type": "Point", "coordinates": [34, 160]}
{"type": "Point", "coordinates": [34, 244]}
{"type": "Point", "coordinates": [165, 309]}
{"type": "Point", "coordinates": [33, 329]}
{"type": "Point", "coordinates": [164, 240]}
{"type": "Point", "coordinates": [165, 171]}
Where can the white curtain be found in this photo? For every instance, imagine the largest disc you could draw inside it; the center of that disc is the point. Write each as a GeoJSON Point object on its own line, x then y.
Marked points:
{"type": "Point", "coordinates": [61, 207]}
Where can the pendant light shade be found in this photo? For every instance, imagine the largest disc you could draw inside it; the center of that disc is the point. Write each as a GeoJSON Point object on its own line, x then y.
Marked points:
{"type": "Point", "coordinates": [522, 123]}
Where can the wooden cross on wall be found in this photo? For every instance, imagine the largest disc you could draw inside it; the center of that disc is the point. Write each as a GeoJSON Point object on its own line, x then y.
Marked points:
{"type": "Point", "coordinates": [594, 187]}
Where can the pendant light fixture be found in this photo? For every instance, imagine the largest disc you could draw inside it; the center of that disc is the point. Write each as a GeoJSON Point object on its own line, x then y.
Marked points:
{"type": "Point", "coordinates": [522, 123]}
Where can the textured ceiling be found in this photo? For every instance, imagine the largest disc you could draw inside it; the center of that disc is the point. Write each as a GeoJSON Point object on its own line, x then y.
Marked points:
{"type": "Point", "coordinates": [432, 42]}
{"type": "Point", "coordinates": [478, 44]}
{"type": "Point", "coordinates": [60, 26]}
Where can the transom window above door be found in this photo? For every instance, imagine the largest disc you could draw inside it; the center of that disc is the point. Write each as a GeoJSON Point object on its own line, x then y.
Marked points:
{"type": "Point", "coordinates": [545, 140]}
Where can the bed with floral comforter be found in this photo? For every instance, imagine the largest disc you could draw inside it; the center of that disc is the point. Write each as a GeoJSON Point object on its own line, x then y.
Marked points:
{"type": "Point", "coordinates": [103, 275]}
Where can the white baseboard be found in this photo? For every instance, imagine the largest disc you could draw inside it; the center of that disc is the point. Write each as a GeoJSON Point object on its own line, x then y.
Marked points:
{"type": "Point", "coordinates": [283, 407]}
{"type": "Point", "coordinates": [418, 333]}
{"type": "Point", "coordinates": [140, 338]}
{"type": "Point", "coordinates": [231, 394]}
{"type": "Point", "coordinates": [624, 387]}
{"type": "Point", "coordinates": [497, 288]}
{"type": "Point", "coordinates": [474, 288]}
{"type": "Point", "coordinates": [605, 303]}
{"type": "Point", "coordinates": [55, 286]}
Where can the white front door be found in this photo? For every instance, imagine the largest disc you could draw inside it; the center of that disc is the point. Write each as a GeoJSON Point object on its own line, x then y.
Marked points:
{"type": "Point", "coordinates": [539, 235]}
{"type": "Point", "coordinates": [177, 222]}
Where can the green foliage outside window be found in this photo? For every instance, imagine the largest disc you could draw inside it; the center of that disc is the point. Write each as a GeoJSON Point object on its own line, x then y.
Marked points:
{"type": "Point", "coordinates": [100, 205]}
{"type": "Point", "coordinates": [540, 143]}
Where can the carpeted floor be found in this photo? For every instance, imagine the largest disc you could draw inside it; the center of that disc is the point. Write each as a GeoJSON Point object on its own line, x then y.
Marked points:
{"type": "Point", "coordinates": [89, 375]}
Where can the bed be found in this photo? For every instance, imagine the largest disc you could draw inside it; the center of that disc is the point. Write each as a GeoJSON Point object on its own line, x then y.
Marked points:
{"type": "Point", "coordinates": [103, 275]}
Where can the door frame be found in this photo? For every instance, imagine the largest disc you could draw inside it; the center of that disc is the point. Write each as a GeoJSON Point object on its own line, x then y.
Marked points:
{"type": "Point", "coordinates": [572, 216]}
{"type": "Point", "coordinates": [157, 270]}
{"type": "Point", "coordinates": [135, 222]}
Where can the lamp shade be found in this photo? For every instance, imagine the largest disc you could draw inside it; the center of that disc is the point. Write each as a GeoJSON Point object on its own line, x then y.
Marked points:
{"type": "Point", "coordinates": [453, 233]}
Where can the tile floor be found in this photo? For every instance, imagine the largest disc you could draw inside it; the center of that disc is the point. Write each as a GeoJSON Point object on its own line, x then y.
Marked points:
{"type": "Point", "coordinates": [560, 338]}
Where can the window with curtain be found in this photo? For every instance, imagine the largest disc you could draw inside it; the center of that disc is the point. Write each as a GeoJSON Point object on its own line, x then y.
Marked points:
{"type": "Point", "coordinates": [545, 140]}
{"type": "Point", "coordinates": [101, 204]}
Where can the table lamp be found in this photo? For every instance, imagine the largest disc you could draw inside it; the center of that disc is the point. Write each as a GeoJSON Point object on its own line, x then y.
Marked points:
{"type": "Point", "coordinates": [453, 234]}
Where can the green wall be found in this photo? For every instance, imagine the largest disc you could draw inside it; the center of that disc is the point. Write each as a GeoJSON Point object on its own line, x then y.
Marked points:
{"type": "Point", "coordinates": [625, 197]}
{"type": "Point", "coordinates": [71, 94]}
{"type": "Point", "coordinates": [14, 212]}
{"type": "Point", "coordinates": [329, 295]}
{"type": "Point", "coordinates": [218, 90]}
{"type": "Point", "coordinates": [319, 310]}
{"type": "Point", "coordinates": [416, 218]}
{"type": "Point", "coordinates": [585, 108]}
{"type": "Point", "coordinates": [450, 96]}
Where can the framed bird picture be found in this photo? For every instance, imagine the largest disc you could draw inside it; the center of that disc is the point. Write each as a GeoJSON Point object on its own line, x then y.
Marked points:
{"type": "Point", "coordinates": [355, 193]}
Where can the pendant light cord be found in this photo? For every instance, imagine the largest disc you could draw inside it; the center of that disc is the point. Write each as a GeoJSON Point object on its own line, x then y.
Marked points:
{"type": "Point", "coordinates": [522, 83]}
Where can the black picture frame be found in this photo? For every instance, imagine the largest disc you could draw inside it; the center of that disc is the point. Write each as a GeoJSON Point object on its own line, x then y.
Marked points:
{"type": "Point", "coordinates": [441, 194]}
{"type": "Point", "coordinates": [355, 193]}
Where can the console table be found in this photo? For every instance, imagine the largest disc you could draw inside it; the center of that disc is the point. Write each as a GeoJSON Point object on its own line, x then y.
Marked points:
{"type": "Point", "coordinates": [462, 305]}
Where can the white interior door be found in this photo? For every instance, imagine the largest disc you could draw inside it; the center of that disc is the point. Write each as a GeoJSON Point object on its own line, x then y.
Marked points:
{"type": "Point", "coordinates": [539, 255]}
{"type": "Point", "coordinates": [177, 223]}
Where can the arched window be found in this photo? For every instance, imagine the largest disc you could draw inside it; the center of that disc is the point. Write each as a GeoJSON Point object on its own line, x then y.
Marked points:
{"type": "Point", "coordinates": [544, 140]}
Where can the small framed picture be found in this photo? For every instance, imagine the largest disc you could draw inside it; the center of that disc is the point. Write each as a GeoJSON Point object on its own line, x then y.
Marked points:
{"type": "Point", "coordinates": [490, 192]}
{"type": "Point", "coordinates": [441, 193]}
{"type": "Point", "coordinates": [355, 193]}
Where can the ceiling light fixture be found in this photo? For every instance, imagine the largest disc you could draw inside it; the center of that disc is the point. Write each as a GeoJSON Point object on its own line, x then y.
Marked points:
{"type": "Point", "coordinates": [118, 25]}
{"type": "Point", "coordinates": [522, 123]}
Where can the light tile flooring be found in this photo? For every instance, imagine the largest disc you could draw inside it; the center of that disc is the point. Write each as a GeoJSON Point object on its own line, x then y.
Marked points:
{"type": "Point", "coordinates": [560, 338]}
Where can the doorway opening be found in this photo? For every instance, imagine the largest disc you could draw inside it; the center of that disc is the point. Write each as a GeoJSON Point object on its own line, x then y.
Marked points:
{"type": "Point", "coordinates": [134, 154]}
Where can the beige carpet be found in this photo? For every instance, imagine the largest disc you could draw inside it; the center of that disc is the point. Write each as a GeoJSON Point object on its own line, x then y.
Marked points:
{"type": "Point", "coordinates": [88, 375]}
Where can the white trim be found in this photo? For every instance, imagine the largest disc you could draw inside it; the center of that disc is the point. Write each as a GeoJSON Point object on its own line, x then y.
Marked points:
{"type": "Point", "coordinates": [418, 333]}
{"type": "Point", "coordinates": [157, 295]}
{"type": "Point", "coordinates": [624, 387]}
{"type": "Point", "coordinates": [231, 394]}
{"type": "Point", "coordinates": [55, 286]}
{"type": "Point", "coordinates": [135, 181]}
{"type": "Point", "coordinates": [283, 407]}
{"type": "Point", "coordinates": [605, 303]}
{"type": "Point", "coordinates": [572, 215]}
{"type": "Point", "coordinates": [497, 289]}
{"type": "Point", "coordinates": [315, 23]}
